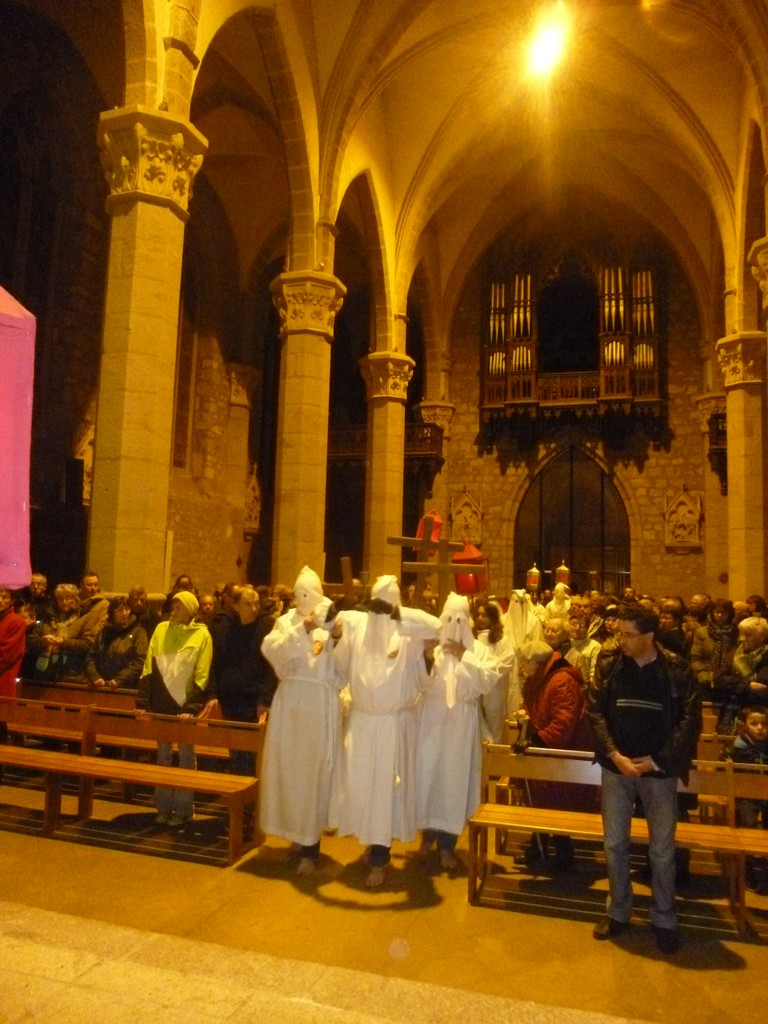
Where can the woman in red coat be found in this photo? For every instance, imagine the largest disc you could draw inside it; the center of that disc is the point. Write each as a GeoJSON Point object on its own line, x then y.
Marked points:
{"type": "Point", "coordinates": [12, 637]}
{"type": "Point", "coordinates": [554, 708]}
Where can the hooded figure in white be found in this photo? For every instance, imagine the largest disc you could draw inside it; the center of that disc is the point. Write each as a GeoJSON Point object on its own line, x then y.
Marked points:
{"type": "Point", "coordinates": [302, 750]}
{"type": "Point", "coordinates": [449, 736]}
{"type": "Point", "coordinates": [496, 704]}
{"type": "Point", "coordinates": [560, 604]}
{"type": "Point", "coordinates": [379, 655]}
{"type": "Point", "coordinates": [521, 624]}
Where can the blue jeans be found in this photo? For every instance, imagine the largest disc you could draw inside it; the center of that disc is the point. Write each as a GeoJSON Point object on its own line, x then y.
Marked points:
{"type": "Point", "coordinates": [179, 800]}
{"type": "Point", "coordinates": [659, 800]}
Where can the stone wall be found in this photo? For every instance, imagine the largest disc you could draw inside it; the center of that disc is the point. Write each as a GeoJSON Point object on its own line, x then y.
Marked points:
{"type": "Point", "coordinates": [208, 529]}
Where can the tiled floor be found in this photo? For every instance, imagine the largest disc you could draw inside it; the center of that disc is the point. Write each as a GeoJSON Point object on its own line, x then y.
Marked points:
{"type": "Point", "coordinates": [97, 925]}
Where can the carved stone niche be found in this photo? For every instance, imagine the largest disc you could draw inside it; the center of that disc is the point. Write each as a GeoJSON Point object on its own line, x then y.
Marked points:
{"type": "Point", "coordinates": [252, 502]}
{"type": "Point", "coordinates": [682, 523]}
{"type": "Point", "coordinates": [466, 519]}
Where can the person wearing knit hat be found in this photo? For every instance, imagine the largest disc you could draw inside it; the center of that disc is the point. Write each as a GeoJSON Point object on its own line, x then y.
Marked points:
{"type": "Point", "coordinates": [174, 682]}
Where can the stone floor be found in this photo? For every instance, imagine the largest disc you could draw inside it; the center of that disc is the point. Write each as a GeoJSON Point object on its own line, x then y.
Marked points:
{"type": "Point", "coordinates": [115, 920]}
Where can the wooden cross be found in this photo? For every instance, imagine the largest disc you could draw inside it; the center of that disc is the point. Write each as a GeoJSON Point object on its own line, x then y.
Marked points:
{"type": "Point", "coordinates": [353, 589]}
{"type": "Point", "coordinates": [444, 567]}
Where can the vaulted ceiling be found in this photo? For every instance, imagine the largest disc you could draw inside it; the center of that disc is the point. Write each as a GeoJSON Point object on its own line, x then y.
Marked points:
{"type": "Point", "coordinates": [656, 106]}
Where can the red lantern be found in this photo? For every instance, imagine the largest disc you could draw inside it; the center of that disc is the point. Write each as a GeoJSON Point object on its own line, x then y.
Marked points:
{"type": "Point", "coordinates": [437, 526]}
{"type": "Point", "coordinates": [471, 583]}
{"type": "Point", "coordinates": [563, 574]}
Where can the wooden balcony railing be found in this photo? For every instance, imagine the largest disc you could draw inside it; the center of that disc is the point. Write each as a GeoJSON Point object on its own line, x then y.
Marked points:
{"type": "Point", "coordinates": [422, 440]}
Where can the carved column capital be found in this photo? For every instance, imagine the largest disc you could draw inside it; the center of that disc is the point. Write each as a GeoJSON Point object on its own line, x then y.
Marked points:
{"type": "Point", "coordinates": [710, 405]}
{"type": "Point", "coordinates": [742, 358]}
{"type": "Point", "coordinates": [307, 302]}
{"type": "Point", "coordinates": [758, 261]}
{"type": "Point", "coordinates": [242, 377]}
{"type": "Point", "coordinates": [150, 156]}
{"type": "Point", "coordinates": [387, 374]}
{"type": "Point", "coordinates": [440, 413]}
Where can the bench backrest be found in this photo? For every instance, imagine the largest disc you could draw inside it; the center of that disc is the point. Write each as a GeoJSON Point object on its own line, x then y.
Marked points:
{"type": "Point", "coordinates": [539, 764]}
{"type": "Point", "coordinates": [91, 725]}
{"type": "Point", "coordinates": [707, 777]}
{"type": "Point", "coordinates": [74, 693]}
{"type": "Point", "coordinates": [69, 720]}
{"type": "Point", "coordinates": [115, 724]}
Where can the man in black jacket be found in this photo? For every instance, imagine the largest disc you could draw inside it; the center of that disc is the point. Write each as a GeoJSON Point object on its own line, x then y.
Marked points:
{"type": "Point", "coordinates": [645, 713]}
{"type": "Point", "coordinates": [242, 678]}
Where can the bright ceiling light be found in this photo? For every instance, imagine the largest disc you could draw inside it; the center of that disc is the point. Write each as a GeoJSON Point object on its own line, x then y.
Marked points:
{"type": "Point", "coordinates": [549, 40]}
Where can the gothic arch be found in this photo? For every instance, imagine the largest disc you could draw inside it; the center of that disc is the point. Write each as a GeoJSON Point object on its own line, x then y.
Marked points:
{"type": "Point", "coordinates": [360, 204]}
{"type": "Point", "coordinates": [421, 302]}
{"type": "Point", "coordinates": [573, 513]}
{"type": "Point", "coordinates": [513, 574]}
{"type": "Point", "coordinates": [753, 226]}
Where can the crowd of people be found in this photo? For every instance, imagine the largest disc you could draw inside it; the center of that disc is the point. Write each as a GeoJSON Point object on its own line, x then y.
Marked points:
{"type": "Point", "coordinates": [377, 708]}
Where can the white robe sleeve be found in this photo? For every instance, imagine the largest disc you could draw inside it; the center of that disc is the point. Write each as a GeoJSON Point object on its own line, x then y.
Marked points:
{"type": "Point", "coordinates": [344, 650]}
{"type": "Point", "coordinates": [417, 624]}
{"type": "Point", "coordinates": [287, 641]}
{"type": "Point", "coordinates": [478, 672]}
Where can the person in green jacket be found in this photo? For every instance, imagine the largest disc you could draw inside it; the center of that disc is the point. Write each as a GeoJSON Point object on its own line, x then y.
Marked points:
{"type": "Point", "coordinates": [174, 682]}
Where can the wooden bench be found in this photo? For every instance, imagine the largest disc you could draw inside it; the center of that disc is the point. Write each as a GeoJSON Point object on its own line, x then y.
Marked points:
{"type": "Point", "coordinates": [720, 779]}
{"type": "Point", "coordinates": [110, 725]}
{"type": "Point", "coordinates": [89, 727]}
{"type": "Point", "coordinates": [75, 693]}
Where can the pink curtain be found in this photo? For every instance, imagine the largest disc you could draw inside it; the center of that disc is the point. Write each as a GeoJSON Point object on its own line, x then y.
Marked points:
{"type": "Point", "coordinates": [17, 372]}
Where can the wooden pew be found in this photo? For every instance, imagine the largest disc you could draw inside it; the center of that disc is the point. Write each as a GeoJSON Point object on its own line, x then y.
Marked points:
{"type": "Point", "coordinates": [112, 723]}
{"type": "Point", "coordinates": [720, 779]}
{"type": "Point", "coordinates": [75, 693]}
{"type": "Point", "coordinates": [89, 727]}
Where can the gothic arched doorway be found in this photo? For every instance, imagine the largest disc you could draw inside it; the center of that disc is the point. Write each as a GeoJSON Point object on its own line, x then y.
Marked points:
{"type": "Point", "coordinates": [572, 512]}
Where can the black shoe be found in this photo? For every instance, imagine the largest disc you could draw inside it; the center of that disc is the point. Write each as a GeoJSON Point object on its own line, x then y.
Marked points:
{"type": "Point", "coordinates": [667, 939]}
{"type": "Point", "coordinates": [178, 820]}
{"type": "Point", "coordinates": [562, 862]}
{"type": "Point", "coordinates": [563, 859]}
{"type": "Point", "coordinates": [609, 928]}
{"type": "Point", "coordinates": [534, 853]}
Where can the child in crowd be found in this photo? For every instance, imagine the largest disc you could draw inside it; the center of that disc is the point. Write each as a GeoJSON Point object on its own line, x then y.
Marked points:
{"type": "Point", "coordinates": [751, 747]}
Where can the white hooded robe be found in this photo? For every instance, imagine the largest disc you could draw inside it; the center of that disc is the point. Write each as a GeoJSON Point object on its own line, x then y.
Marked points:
{"type": "Point", "coordinates": [448, 746]}
{"type": "Point", "coordinates": [302, 749]}
{"type": "Point", "coordinates": [380, 659]}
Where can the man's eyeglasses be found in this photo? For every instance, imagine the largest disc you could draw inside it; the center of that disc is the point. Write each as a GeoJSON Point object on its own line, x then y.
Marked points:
{"type": "Point", "coordinates": [627, 636]}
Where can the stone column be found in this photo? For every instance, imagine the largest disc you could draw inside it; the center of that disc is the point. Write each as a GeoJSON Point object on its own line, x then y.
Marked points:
{"type": "Point", "coordinates": [441, 414]}
{"type": "Point", "coordinates": [307, 303]}
{"type": "Point", "coordinates": [150, 160]}
{"type": "Point", "coordinates": [742, 360]}
{"type": "Point", "coordinates": [715, 525]}
{"type": "Point", "coordinates": [386, 375]}
{"type": "Point", "coordinates": [239, 480]}
{"type": "Point", "coordinates": [242, 378]}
